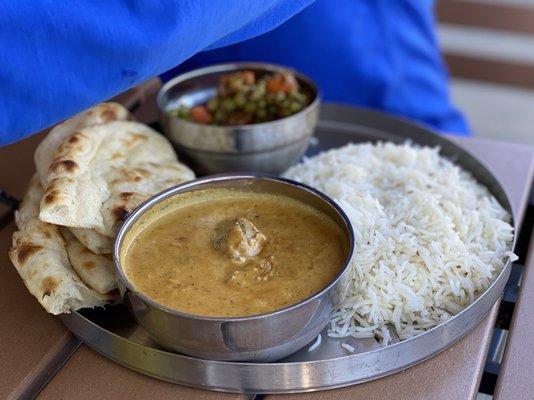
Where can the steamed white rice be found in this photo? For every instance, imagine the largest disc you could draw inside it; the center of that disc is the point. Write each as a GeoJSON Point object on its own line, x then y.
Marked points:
{"type": "Point", "coordinates": [429, 238]}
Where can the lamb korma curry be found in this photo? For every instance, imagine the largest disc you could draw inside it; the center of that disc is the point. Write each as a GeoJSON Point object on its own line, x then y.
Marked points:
{"type": "Point", "coordinates": [229, 253]}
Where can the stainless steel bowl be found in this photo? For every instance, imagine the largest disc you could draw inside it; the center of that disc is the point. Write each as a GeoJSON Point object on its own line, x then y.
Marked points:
{"type": "Point", "coordinates": [266, 337]}
{"type": "Point", "coordinates": [268, 147]}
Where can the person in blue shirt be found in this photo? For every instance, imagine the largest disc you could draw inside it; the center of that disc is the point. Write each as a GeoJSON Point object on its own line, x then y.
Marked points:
{"type": "Point", "coordinates": [58, 58]}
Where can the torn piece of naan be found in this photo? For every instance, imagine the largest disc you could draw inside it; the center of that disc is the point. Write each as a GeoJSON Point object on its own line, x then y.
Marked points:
{"type": "Point", "coordinates": [96, 270]}
{"type": "Point", "coordinates": [102, 173]}
{"type": "Point", "coordinates": [45, 153]}
{"type": "Point", "coordinates": [39, 255]}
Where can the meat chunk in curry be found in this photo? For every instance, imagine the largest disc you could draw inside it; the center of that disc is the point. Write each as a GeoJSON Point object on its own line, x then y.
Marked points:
{"type": "Point", "coordinates": [239, 239]}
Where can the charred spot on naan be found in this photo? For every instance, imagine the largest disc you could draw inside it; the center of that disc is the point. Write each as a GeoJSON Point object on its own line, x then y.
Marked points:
{"type": "Point", "coordinates": [25, 250]}
{"type": "Point", "coordinates": [134, 140]}
{"type": "Point", "coordinates": [117, 155]}
{"type": "Point", "coordinates": [120, 213]}
{"type": "Point", "coordinates": [52, 196]}
{"type": "Point", "coordinates": [49, 285]}
{"type": "Point", "coordinates": [46, 232]}
{"type": "Point", "coordinates": [109, 115]}
{"type": "Point", "coordinates": [131, 175]}
{"type": "Point", "coordinates": [108, 112]}
{"type": "Point", "coordinates": [147, 174]}
{"type": "Point", "coordinates": [65, 165]}
{"type": "Point", "coordinates": [88, 265]}
{"type": "Point", "coordinates": [75, 138]}
{"type": "Point", "coordinates": [126, 195]}
{"type": "Point", "coordinates": [121, 205]}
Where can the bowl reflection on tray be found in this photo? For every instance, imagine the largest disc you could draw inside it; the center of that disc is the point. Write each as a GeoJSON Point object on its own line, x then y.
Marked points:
{"type": "Point", "coordinates": [264, 337]}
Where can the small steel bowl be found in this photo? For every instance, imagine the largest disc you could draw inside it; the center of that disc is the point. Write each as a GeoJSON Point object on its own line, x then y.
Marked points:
{"type": "Point", "coordinates": [269, 147]}
{"type": "Point", "coordinates": [265, 337]}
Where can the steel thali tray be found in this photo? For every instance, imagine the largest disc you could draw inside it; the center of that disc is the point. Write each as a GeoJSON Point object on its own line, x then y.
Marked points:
{"type": "Point", "coordinates": [113, 332]}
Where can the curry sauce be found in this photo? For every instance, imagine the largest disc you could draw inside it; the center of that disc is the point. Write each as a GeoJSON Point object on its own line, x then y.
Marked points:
{"type": "Point", "coordinates": [234, 255]}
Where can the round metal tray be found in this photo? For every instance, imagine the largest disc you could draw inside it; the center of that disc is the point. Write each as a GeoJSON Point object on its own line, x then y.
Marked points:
{"type": "Point", "coordinates": [113, 333]}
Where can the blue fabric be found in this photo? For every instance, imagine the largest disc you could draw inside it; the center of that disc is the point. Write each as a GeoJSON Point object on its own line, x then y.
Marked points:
{"type": "Point", "coordinates": [60, 57]}
{"type": "Point", "coordinates": [373, 53]}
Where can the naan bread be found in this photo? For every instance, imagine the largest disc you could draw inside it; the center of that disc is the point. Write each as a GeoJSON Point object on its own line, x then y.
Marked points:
{"type": "Point", "coordinates": [94, 241]}
{"type": "Point", "coordinates": [102, 173]}
{"type": "Point", "coordinates": [39, 255]}
{"type": "Point", "coordinates": [96, 270]}
{"type": "Point", "coordinates": [97, 115]}
{"type": "Point", "coordinates": [45, 153]}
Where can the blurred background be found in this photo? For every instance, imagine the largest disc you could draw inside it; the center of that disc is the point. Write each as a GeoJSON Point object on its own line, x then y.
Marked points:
{"type": "Point", "coordinates": [489, 49]}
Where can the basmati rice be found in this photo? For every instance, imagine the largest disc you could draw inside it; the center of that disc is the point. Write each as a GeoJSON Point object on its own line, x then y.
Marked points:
{"type": "Point", "coordinates": [348, 347]}
{"type": "Point", "coordinates": [429, 238]}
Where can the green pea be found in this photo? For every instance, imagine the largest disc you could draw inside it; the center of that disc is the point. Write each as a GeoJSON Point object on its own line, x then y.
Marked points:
{"type": "Point", "coordinates": [240, 99]}
{"type": "Point", "coordinates": [181, 112]}
{"type": "Point", "coordinates": [257, 94]}
{"type": "Point", "coordinates": [228, 104]}
{"type": "Point", "coordinates": [250, 108]}
{"type": "Point", "coordinates": [294, 107]}
{"type": "Point", "coordinates": [296, 96]}
{"type": "Point", "coordinates": [213, 104]}
{"type": "Point", "coordinates": [261, 87]}
{"type": "Point", "coordinates": [219, 115]}
{"type": "Point", "coordinates": [280, 96]}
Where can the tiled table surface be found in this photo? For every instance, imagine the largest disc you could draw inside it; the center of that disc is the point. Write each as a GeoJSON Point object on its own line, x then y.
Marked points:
{"type": "Point", "coordinates": [34, 344]}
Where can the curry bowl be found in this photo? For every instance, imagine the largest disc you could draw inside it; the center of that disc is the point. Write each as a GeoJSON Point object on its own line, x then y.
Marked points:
{"type": "Point", "coordinates": [266, 336]}
{"type": "Point", "coordinates": [268, 147]}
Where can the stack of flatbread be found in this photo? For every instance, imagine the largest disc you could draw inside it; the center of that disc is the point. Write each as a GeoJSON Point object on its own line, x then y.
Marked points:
{"type": "Point", "coordinates": [92, 170]}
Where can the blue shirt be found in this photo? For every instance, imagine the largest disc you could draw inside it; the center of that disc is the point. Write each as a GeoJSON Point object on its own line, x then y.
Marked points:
{"type": "Point", "coordinates": [58, 58]}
